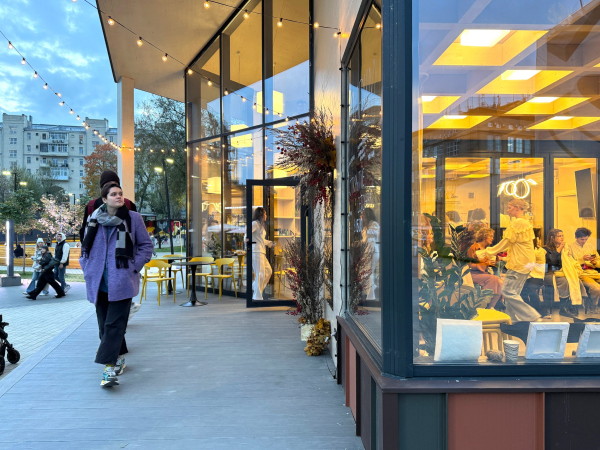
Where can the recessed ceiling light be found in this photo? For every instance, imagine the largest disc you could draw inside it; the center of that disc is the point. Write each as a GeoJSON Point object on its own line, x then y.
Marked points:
{"type": "Point", "coordinates": [482, 38]}
{"type": "Point", "coordinates": [543, 99]}
{"type": "Point", "coordinates": [561, 118]}
{"type": "Point", "coordinates": [428, 98]}
{"type": "Point", "coordinates": [514, 75]}
{"type": "Point", "coordinates": [455, 117]}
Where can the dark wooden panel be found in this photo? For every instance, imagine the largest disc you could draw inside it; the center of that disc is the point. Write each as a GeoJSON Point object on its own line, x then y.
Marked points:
{"type": "Point", "coordinates": [572, 421]}
{"type": "Point", "coordinates": [496, 421]}
{"type": "Point", "coordinates": [365, 421]}
{"type": "Point", "coordinates": [421, 422]}
{"type": "Point", "coordinates": [351, 379]}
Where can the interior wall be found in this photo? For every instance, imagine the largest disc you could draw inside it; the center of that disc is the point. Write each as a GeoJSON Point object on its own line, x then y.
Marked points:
{"type": "Point", "coordinates": [327, 89]}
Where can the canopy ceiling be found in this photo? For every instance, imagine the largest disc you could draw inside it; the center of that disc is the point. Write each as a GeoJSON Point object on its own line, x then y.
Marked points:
{"type": "Point", "coordinates": [180, 28]}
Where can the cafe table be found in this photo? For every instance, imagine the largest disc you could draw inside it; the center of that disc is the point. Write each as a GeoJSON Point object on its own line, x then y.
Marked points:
{"type": "Point", "coordinates": [192, 265]}
{"type": "Point", "coordinates": [170, 260]}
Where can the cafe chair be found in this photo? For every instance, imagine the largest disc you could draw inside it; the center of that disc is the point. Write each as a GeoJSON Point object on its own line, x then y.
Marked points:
{"type": "Point", "coordinates": [280, 272]}
{"type": "Point", "coordinates": [175, 270]}
{"type": "Point", "coordinates": [222, 276]}
{"type": "Point", "coordinates": [207, 259]}
{"type": "Point", "coordinates": [146, 275]}
{"type": "Point", "coordinates": [162, 278]}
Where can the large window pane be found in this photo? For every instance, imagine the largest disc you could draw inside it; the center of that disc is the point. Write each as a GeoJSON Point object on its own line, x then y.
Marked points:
{"type": "Point", "coordinates": [203, 96]}
{"type": "Point", "coordinates": [243, 161]}
{"type": "Point", "coordinates": [364, 180]}
{"type": "Point", "coordinates": [242, 70]}
{"type": "Point", "coordinates": [505, 135]}
{"type": "Point", "coordinates": [287, 75]}
{"type": "Point", "coordinates": [207, 155]}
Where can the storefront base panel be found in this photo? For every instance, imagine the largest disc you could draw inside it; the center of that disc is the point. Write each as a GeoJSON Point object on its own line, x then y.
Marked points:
{"type": "Point", "coordinates": [543, 413]}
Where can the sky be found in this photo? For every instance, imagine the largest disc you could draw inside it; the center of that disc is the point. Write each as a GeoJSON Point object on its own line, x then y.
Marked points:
{"type": "Point", "coordinates": [63, 41]}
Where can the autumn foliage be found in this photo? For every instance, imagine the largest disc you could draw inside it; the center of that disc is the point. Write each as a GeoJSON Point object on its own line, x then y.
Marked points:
{"type": "Point", "coordinates": [104, 157]}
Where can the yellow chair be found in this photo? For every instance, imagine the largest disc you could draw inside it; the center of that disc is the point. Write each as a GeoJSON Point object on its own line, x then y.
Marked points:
{"type": "Point", "coordinates": [221, 276]}
{"type": "Point", "coordinates": [207, 259]}
{"type": "Point", "coordinates": [145, 276]}
{"type": "Point", "coordinates": [279, 271]}
{"type": "Point", "coordinates": [173, 269]}
{"type": "Point", "coordinates": [162, 278]}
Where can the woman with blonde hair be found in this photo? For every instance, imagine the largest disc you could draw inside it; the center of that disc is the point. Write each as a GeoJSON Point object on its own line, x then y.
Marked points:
{"type": "Point", "coordinates": [260, 264]}
{"type": "Point", "coordinates": [480, 270]}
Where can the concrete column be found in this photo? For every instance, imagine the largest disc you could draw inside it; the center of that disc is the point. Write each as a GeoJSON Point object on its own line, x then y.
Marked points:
{"type": "Point", "coordinates": [125, 137]}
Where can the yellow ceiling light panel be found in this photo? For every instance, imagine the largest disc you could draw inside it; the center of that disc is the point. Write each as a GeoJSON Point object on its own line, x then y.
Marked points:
{"type": "Point", "coordinates": [243, 140]}
{"type": "Point", "coordinates": [477, 175]}
{"type": "Point", "coordinates": [433, 104]}
{"type": "Point", "coordinates": [523, 81]}
{"type": "Point", "coordinates": [564, 123]}
{"type": "Point", "coordinates": [487, 47]}
{"type": "Point", "coordinates": [547, 105]}
{"type": "Point", "coordinates": [457, 122]}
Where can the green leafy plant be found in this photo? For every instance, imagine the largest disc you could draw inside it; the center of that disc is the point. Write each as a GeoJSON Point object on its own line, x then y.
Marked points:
{"type": "Point", "coordinates": [442, 293]}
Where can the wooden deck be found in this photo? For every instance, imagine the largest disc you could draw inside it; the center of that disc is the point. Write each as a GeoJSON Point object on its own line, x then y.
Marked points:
{"type": "Point", "coordinates": [214, 377]}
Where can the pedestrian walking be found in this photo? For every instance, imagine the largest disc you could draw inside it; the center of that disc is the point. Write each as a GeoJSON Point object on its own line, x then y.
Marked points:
{"type": "Point", "coordinates": [37, 268]}
{"type": "Point", "coordinates": [47, 263]}
{"type": "Point", "coordinates": [61, 253]}
{"type": "Point", "coordinates": [153, 240]}
{"type": "Point", "coordinates": [114, 250]}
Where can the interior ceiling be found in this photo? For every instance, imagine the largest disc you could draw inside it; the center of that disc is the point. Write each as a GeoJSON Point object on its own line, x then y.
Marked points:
{"type": "Point", "coordinates": [180, 28]}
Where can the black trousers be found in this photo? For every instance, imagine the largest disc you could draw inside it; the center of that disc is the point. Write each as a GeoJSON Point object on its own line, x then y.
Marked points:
{"type": "Point", "coordinates": [531, 294]}
{"type": "Point", "coordinates": [112, 324]}
{"type": "Point", "coordinates": [46, 278]}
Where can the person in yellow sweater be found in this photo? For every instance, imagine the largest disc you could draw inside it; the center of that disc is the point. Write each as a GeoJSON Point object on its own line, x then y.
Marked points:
{"type": "Point", "coordinates": [584, 251]}
{"type": "Point", "coordinates": [518, 243]}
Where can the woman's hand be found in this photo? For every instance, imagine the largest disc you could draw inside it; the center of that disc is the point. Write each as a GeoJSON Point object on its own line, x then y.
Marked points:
{"type": "Point", "coordinates": [560, 247]}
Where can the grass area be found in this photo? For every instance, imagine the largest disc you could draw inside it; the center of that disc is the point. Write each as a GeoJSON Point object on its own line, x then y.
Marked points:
{"type": "Point", "coordinates": [28, 275]}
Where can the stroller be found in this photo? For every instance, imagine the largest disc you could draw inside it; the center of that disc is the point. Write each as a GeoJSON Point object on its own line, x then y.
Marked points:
{"type": "Point", "coordinates": [12, 355]}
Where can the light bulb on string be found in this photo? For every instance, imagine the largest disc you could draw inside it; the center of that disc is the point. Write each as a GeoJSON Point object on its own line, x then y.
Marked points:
{"type": "Point", "coordinates": [226, 92]}
{"type": "Point", "coordinates": [246, 15]}
{"type": "Point", "coordinates": [58, 94]}
{"type": "Point", "coordinates": [140, 41]}
{"type": "Point", "coordinates": [280, 23]}
{"type": "Point", "coordinates": [243, 100]}
{"type": "Point", "coordinates": [62, 103]}
{"type": "Point", "coordinates": [35, 75]}
{"type": "Point", "coordinates": [10, 46]}
{"type": "Point", "coordinates": [189, 71]}
{"type": "Point", "coordinates": [111, 22]}
{"type": "Point", "coordinates": [23, 62]}
{"type": "Point", "coordinates": [46, 86]}
{"type": "Point", "coordinates": [78, 118]}
{"type": "Point", "coordinates": [206, 5]}
{"type": "Point", "coordinates": [209, 83]}
{"type": "Point", "coordinates": [337, 34]}
{"type": "Point", "coordinates": [164, 58]}
{"type": "Point", "coordinates": [267, 111]}
{"type": "Point", "coordinates": [316, 25]}
{"type": "Point", "coordinates": [254, 106]}
{"type": "Point", "coordinates": [287, 119]}
{"type": "Point", "coordinates": [71, 112]}
{"type": "Point", "coordinates": [378, 26]}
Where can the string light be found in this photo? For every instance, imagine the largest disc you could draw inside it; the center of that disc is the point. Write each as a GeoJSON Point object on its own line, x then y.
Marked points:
{"type": "Point", "coordinates": [46, 86]}
{"type": "Point", "coordinates": [316, 25]}
{"type": "Point", "coordinates": [337, 34]}
{"type": "Point", "coordinates": [10, 46]}
{"type": "Point", "coordinates": [71, 112]}
{"type": "Point", "coordinates": [190, 71]}
{"type": "Point", "coordinates": [62, 103]}
{"type": "Point", "coordinates": [243, 100]}
{"type": "Point", "coordinates": [23, 62]}
{"type": "Point", "coordinates": [78, 118]}
{"type": "Point", "coordinates": [378, 26]}
{"type": "Point", "coordinates": [111, 22]}
{"type": "Point", "coordinates": [164, 58]}
{"type": "Point", "coordinates": [206, 5]}
{"type": "Point", "coordinates": [35, 75]}
{"type": "Point", "coordinates": [254, 106]}
{"type": "Point", "coordinates": [267, 111]}
{"type": "Point", "coordinates": [209, 83]}
{"type": "Point", "coordinates": [246, 15]}
{"type": "Point", "coordinates": [139, 41]}
{"type": "Point", "coordinates": [280, 23]}
{"type": "Point", "coordinates": [226, 92]}
{"type": "Point", "coordinates": [58, 94]}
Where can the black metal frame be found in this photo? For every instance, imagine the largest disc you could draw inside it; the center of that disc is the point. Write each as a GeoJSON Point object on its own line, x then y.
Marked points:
{"type": "Point", "coordinates": [304, 215]}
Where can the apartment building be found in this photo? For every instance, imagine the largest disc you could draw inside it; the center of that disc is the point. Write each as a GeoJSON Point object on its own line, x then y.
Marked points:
{"type": "Point", "coordinates": [61, 148]}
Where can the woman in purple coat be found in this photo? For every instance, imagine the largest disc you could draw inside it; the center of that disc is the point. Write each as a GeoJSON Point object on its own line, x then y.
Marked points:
{"type": "Point", "coordinates": [115, 248]}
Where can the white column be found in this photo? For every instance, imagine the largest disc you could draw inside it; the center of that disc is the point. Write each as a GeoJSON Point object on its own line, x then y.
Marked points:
{"type": "Point", "coordinates": [125, 137]}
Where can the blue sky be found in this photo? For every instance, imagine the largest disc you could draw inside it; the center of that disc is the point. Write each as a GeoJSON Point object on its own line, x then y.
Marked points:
{"type": "Point", "coordinates": [63, 41]}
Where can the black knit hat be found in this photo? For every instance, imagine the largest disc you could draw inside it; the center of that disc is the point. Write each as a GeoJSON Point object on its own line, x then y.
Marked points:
{"type": "Point", "coordinates": [107, 176]}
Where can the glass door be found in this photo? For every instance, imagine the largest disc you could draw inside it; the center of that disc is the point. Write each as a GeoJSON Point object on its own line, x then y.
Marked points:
{"type": "Point", "coordinates": [268, 270]}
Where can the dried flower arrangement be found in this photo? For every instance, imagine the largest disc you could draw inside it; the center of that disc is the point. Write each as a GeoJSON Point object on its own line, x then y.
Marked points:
{"type": "Point", "coordinates": [308, 149]}
{"type": "Point", "coordinates": [359, 273]}
{"type": "Point", "coordinates": [319, 338]}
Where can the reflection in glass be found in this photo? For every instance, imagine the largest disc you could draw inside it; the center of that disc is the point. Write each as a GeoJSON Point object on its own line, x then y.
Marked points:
{"type": "Point", "coordinates": [364, 179]}
{"type": "Point", "coordinates": [208, 158]}
{"type": "Point", "coordinates": [272, 155]}
{"type": "Point", "coordinates": [242, 71]}
{"type": "Point", "coordinates": [203, 95]}
{"type": "Point", "coordinates": [243, 161]}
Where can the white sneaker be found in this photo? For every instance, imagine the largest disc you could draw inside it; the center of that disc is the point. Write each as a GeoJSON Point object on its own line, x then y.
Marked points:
{"type": "Point", "coordinates": [135, 307]}
{"type": "Point", "coordinates": [67, 288]}
{"type": "Point", "coordinates": [45, 293]}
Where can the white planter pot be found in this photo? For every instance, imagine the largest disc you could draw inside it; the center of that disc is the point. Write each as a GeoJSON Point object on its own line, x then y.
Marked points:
{"type": "Point", "coordinates": [305, 331]}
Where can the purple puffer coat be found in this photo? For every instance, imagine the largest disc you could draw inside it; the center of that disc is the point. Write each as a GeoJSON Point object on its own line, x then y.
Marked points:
{"type": "Point", "coordinates": [123, 283]}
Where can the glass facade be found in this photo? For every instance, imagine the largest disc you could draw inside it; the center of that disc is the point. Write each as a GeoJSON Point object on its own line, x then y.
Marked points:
{"type": "Point", "coordinates": [363, 167]}
{"type": "Point", "coordinates": [505, 133]}
{"type": "Point", "coordinates": [230, 123]}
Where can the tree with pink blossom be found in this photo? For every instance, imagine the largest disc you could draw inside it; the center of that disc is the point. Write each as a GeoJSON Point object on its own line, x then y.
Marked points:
{"type": "Point", "coordinates": [59, 217]}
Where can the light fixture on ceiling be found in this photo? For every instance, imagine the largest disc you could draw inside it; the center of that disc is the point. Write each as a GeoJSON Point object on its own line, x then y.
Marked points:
{"type": "Point", "coordinates": [140, 42]}
{"type": "Point", "coordinates": [280, 23]}
{"type": "Point", "coordinates": [482, 38]}
{"type": "Point", "coordinates": [543, 99]}
{"type": "Point", "coordinates": [518, 75]}
{"type": "Point", "coordinates": [428, 98]}
{"type": "Point", "coordinates": [111, 22]}
{"type": "Point", "coordinates": [246, 15]}
{"type": "Point", "coordinates": [189, 71]}
{"type": "Point", "coordinates": [164, 58]}
{"type": "Point", "coordinates": [455, 117]}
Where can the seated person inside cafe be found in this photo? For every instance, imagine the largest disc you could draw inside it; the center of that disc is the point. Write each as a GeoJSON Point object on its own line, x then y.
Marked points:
{"type": "Point", "coordinates": [533, 285]}
{"type": "Point", "coordinates": [586, 255]}
{"type": "Point", "coordinates": [480, 270]}
{"type": "Point", "coordinates": [565, 280]}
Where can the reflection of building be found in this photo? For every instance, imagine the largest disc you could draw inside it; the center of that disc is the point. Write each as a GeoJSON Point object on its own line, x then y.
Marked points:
{"type": "Point", "coordinates": [57, 149]}
{"type": "Point", "coordinates": [442, 121]}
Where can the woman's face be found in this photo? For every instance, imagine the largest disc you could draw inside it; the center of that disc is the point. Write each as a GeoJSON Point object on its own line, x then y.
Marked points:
{"type": "Point", "coordinates": [429, 238]}
{"type": "Point", "coordinates": [559, 238]}
{"type": "Point", "coordinates": [114, 198]}
{"type": "Point", "coordinates": [39, 244]}
{"type": "Point", "coordinates": [44, 251]}
{"type": "Point", "coordinates": [489, 238]}
{"type": "Point", "coordinates": [264, 216]}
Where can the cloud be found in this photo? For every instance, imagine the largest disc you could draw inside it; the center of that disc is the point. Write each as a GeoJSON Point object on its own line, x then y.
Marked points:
{"type": "Point", "coordinates": [11, 98]}
{"type": "Point", "coordinates": [70, 73]}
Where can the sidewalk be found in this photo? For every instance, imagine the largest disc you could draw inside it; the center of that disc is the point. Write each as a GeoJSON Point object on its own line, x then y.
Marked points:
{"type": "Point", "coordinates": [34, 323]}
{"type": "Point", "coordinates": [214, 377]}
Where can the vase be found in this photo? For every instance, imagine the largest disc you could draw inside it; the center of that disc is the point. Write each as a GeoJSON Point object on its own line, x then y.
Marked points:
{"type": "Point", "coordinates": [305, 331]}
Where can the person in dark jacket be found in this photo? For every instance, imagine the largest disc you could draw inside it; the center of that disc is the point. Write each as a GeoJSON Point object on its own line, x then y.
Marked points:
{"type": "Point", "coordinates": [18, 251]}
{"type": "Point", "coordinates": [47, 263]}
{"type": "Point", "coordinates": [108, 176]}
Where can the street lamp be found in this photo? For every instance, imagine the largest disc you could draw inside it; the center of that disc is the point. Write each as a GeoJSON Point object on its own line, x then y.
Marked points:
{"type": "Point", "coordinates": [14, 174]}
{"type": "Point", "coordinates": [163, 169]}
